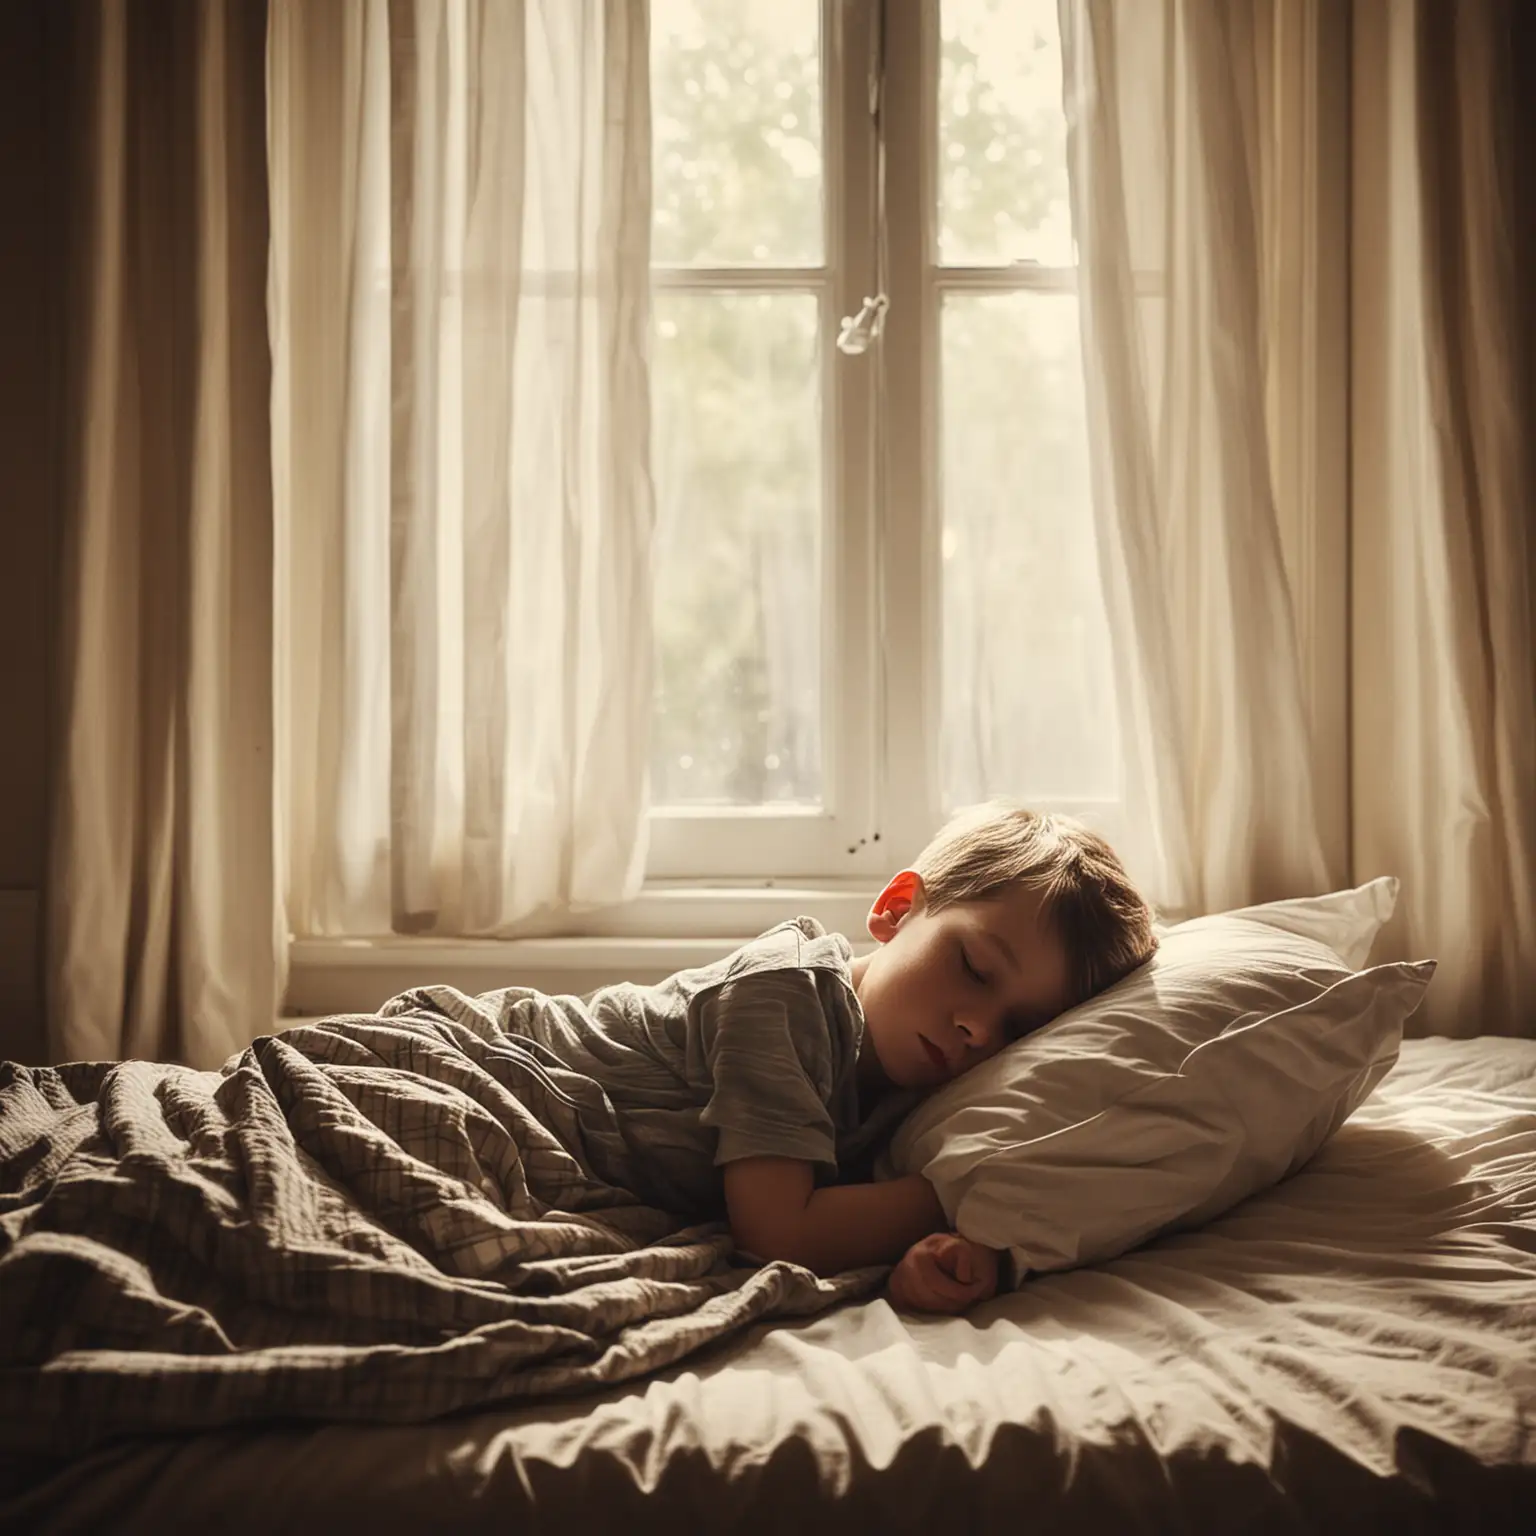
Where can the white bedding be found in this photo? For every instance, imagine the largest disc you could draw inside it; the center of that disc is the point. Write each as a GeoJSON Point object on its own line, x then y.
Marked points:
{"type": "Point", "coordinates": [1354, 1350]}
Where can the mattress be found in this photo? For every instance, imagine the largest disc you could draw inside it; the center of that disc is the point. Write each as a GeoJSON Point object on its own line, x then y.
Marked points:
{"type": "Point", "coordinates": [1354, 1350]}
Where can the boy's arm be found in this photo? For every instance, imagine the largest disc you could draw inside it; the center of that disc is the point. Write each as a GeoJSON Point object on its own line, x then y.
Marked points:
{"type": "Point", "coordinates": [777, 1213]}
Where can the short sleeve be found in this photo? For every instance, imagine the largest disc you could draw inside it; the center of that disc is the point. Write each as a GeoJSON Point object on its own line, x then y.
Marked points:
{"type": "Point", "coordinates": [770, 1053]}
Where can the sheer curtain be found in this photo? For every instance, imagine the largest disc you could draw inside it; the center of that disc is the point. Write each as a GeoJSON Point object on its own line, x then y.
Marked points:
{"type": "Point", "coordinates": [459, 307]}
{"type": "Point", "coordinates": [1444, 557]}
{"type": "Point", "coordinates": [163, 922]}
{"type": "Point", "coordinates": [1167, 104]}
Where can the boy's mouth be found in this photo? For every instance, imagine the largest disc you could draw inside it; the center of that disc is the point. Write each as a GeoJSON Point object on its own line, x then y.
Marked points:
{"type": "Point", "coordinates": [938, 1058]}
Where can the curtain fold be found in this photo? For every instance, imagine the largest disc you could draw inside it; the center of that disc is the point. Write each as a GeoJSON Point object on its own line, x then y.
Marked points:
{"type": "Point", "coordinates": [460, 315]}
{"type": "Point", "coordinates": [163, 926]}
{"type": "Point", "coordinates": [1176, 143]}
{"type": "Point", "coordinates": [1444, 645]}
{"type": "Point", "coordinates": [1166, 113]}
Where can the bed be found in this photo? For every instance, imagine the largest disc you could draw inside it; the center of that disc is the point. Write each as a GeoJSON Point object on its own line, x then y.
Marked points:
{"type": "Point", "coordinates": [1353, 1350]}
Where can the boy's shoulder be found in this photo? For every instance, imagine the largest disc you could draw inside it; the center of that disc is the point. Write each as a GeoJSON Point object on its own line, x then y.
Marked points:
{"type": "Point", "coordinates": [798, 944]}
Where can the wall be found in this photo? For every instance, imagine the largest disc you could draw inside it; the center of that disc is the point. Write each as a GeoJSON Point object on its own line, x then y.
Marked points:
{"type": "Point", "coordinates": [27, 516]}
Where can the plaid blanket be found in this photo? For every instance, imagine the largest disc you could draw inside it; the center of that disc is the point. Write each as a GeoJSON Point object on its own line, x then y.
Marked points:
{"type": "Point", "coordinates": [370, 1218]}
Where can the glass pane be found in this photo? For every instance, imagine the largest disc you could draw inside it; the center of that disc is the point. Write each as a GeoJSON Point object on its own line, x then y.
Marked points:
{"type": "Point", "coordinates": [736, 129]}
{"type": "Point", "coordinates": [1002, 135]}
{"type": "Point", "coordinates": [737, 719]}
{"type": "Point", "coordinates": [1029, 704]}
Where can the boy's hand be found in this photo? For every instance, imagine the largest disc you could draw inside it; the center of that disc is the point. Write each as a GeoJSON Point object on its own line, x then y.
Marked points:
{"type": "Point", "coordinates": [944, 1273]}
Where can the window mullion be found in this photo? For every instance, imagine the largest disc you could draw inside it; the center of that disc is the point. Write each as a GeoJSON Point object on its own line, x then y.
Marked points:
{"type": "Point", "coordinates": [908, 531]}
{"type": "Point", "coordinates": [739, 279]}
{"type": "Point", "coordinates": [1023, 277]}
{"type": "Point", "coordinates": [1027, 277]}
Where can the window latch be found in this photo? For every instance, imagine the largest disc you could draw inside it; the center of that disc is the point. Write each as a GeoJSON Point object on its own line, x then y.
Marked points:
{"type": "Point", "coordinates": [858, 331]}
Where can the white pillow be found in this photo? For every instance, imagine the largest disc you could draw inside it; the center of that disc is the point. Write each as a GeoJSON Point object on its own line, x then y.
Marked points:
{"type": "Point", "coordinates": [1213, 1071]}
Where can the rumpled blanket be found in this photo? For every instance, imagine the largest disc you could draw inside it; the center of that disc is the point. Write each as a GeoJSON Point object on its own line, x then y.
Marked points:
{"type": "Point", "coordinates": [374, 1217]}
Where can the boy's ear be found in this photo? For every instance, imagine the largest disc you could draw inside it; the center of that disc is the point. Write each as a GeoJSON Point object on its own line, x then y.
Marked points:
{"type": "Point", "coordinates": [902, 893]}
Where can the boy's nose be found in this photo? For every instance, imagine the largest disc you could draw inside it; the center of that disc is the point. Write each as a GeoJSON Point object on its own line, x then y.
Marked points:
{"type": "Point", "coordinates": [978, 1028]}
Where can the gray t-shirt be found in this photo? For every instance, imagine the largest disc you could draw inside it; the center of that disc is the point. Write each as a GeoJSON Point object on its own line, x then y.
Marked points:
{"type": "Point", "coordinates": [753, 1056]}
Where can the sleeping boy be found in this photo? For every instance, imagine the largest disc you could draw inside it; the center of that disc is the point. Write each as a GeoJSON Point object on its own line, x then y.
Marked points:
{"type": "Point", "coordinates": [760, 1088]}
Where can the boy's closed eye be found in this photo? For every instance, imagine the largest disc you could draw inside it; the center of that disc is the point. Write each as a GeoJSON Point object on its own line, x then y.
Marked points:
{"type": "Point", "coordinates": [1017, 1022]}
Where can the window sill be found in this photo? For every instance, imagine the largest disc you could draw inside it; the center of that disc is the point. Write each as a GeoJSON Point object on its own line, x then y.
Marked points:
{"type": "Point", "coordinates": [670, 927]}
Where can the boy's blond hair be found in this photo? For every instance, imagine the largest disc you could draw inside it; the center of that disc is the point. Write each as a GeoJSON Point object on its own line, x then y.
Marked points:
{"type": "Point", "coordinates": [1102, 920]}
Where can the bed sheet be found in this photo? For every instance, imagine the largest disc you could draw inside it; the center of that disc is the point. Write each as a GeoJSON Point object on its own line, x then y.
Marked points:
{"type": "Point", "coordinates": [1354, 1350]}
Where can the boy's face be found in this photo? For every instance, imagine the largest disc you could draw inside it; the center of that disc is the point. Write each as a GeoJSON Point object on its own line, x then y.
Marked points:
{"type": "Point", "coordinates": [946, 990]}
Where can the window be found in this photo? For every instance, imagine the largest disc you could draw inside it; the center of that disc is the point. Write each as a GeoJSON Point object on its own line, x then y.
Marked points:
{"type": "Point", "coordinates": [877, 591]}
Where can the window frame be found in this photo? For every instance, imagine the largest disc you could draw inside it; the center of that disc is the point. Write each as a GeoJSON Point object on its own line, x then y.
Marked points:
{"type": "Point", "coordinates": [881, 598]}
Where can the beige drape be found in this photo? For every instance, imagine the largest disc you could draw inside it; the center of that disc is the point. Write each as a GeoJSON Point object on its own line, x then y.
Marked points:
{"type": "Point", "coordinates": [162, 918]}
{"type": "Point", "coordinates": [1444, 503]}
{"type": "Point", "coordinates": [1184, 185]}
{"type": "Point", "coordinates": [460, 321]}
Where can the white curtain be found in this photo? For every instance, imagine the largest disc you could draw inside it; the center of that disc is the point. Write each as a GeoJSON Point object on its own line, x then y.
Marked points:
{"type": "Point", "coordinates": [1166, 110]}
{"type": "Point", "coordinates": [459, 308]}
{"type": "Point", "coordinates": [1444, 563]}
{"type": "Point", "coordinates": [163, 920]}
